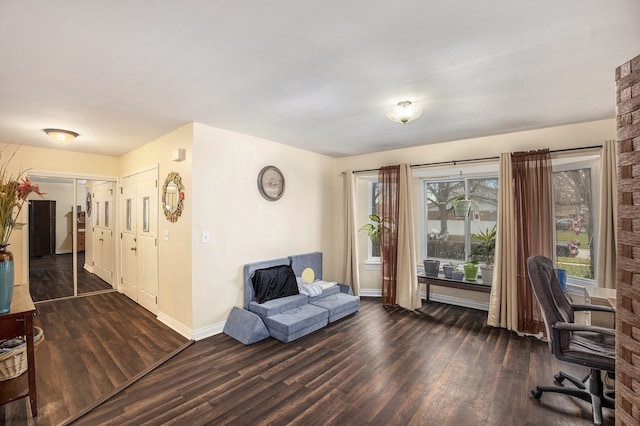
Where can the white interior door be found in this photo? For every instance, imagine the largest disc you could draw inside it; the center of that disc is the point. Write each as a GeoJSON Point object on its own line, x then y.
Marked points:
{"type": "Point", "coordinates": [103, 230]}
{"type": "Point", "coordinates": [128, 237]}
{"type": "Point", "coordinates": [140, 238]}
{"type": "Point", "coordinates": [147, 240]}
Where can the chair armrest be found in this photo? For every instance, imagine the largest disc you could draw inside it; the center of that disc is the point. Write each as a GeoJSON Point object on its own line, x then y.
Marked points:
{"type": "Point", "coordinates": [601, 308]}
{"type": "Point", "coordinates": [561, 326]}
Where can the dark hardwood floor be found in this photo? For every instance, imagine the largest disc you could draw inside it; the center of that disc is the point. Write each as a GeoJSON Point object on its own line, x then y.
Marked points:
{"type": "Point", "coordinates": [381, 366]}
{"type": "Point", "coordinates": [52, 277]}
{"type": "Point", "coordinates": [92, 345]}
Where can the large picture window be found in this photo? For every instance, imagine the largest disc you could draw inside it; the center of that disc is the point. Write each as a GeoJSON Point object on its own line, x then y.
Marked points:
{"type": "Point", "coordinates": [447, 237]}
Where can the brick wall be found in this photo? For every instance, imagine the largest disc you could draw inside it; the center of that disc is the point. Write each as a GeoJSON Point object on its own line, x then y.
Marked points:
{"type": "Point", "coordinates": [628, 256]}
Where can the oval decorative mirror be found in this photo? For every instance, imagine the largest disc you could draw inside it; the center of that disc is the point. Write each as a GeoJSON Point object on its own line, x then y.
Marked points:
{"type": "Point", "coordinates": [172, 197]}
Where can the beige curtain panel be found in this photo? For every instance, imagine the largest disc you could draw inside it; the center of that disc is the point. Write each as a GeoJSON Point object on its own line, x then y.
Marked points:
{"type": "Point", "coordinates": [352, 273]}
{"type": "Point", "coordinates": [607, 217]}
{"type": "Point", "coordinates": [408, 294]}
{"type": "Point", "coordinates": [503, 307]}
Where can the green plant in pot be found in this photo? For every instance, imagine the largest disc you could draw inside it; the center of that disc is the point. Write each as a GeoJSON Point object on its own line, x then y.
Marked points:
{"type": "Point", "coordinates": [374, 230]}
{"type": "Point", "coordinates": [486, 251]}
{"type": "Point", "coordinates": [471, 270]}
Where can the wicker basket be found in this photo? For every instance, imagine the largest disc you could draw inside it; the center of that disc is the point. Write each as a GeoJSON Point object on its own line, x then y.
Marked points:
{"type": "Point", "coordinates": [13, 362]}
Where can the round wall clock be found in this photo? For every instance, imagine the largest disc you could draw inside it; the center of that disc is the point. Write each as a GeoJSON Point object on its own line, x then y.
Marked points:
{"type": "Point", "coordinates": [271, 183]}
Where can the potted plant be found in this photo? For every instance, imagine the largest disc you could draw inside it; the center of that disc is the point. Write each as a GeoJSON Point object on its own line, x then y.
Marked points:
{"type": "Point", "coordinates": [431, 267]}
{"type": "Point", "coordinates": [457, 274]}
{"type": "Point", "coordinates": [374, 230]}
{"type": "Point", "coordinates": [486, 251]}
{"type": "Point", "coordinates": [461, 205]}
{"type": "Point", "coordinates": [471, 270]}
{"type": "Point", "coordinates": [448, 269]}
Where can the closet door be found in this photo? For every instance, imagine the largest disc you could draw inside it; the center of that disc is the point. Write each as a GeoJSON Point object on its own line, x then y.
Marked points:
{"type": "Point", "coordinates": [139, 238]}
{"type": "Point", "coordinates": [103, 230]}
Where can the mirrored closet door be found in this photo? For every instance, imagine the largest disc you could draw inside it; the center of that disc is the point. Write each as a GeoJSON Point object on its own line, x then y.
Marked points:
{"type": "Point", "coordinates": [62, 238]}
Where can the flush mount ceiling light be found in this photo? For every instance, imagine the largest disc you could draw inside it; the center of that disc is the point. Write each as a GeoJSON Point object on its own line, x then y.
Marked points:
{"type": "Point", "coordinates": [60, 135]}
{"type": "Point", "coordinates": [404, 112]}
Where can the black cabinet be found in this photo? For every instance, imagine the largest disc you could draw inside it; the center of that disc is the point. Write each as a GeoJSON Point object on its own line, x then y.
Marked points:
{"type": "Point", "coordinates": [42, 228]}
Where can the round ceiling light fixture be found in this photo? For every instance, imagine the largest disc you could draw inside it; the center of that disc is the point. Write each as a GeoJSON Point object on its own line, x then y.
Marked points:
{"type": "Point", "coordinates": [60, 135]}
{"type": "Point", "coordinates": [404, 112]}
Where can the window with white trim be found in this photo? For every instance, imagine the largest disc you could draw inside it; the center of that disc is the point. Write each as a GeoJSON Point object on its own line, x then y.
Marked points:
{"type": "Point", "coordinates": [447, 234]}
{"type": "Point", "coordinates": [573, 185]}
{"type": "Point", "coordinates": [373, 250]}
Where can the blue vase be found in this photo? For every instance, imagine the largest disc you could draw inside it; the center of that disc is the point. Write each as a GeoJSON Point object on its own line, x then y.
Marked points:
{"type": "Point", "coordinates": [6, 279]}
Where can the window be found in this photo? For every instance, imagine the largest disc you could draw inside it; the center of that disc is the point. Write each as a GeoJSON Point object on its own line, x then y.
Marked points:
{"type": "Point", "coordinates": [575, 230]}
{"type": "Point", "coordinates": [145, 214]}
{"type": "Point", "coordinates": [374, 246]}
{"type": "Point", "coordinates": [447, 237]}
{"type": "Point", "coordinates": [128, 215]}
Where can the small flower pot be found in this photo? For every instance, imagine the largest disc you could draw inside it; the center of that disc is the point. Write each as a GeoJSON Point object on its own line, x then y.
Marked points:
{"type": "Point", "coordinates": [487, 274]}
{"type": "Point", "coordinates": [431, 268]}
{"type": "Point", "coordinates": [457, 275]}
{"type": "Point", "coordinates": [448, 270]}
{"type": "Point", "coordinates": [471, 271]}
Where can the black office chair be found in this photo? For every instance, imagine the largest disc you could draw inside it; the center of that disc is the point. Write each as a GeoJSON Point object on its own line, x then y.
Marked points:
{"type": "Point", "coordinates": [591, 346]}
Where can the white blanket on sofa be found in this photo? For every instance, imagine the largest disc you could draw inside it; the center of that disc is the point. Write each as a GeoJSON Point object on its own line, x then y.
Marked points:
{"type": "Point", "coordinates": [315, 288]}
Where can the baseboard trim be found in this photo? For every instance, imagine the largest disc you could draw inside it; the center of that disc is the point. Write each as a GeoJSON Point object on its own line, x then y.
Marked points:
{"type": "Point", "coordinates": [466, 303]}
{"type": "Point", "coordinates": [371, 292]}
{"type": "Point", "coordinates": [183, 330]}
{"type": "Point", "coordinates": [176, 326]}
{"type": "Point", "coordinates": [208, 331]}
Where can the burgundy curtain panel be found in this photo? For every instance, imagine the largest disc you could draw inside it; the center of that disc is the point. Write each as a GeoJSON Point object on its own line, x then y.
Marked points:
{"type": "Point", "coordinates": [534, 213]}
{"type": "Point", "coordinates": [388, 210]}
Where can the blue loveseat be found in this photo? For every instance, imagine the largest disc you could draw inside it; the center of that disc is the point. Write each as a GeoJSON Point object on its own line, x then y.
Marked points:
{"type": "Point", "coordinates": [289, 317]}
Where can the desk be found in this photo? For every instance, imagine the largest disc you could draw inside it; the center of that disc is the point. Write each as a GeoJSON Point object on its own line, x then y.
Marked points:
{"type": "Point", "coordinates": [19, 322]}
{"type": "Point", "coordinates": [604, 297]}
{"type": "Point", "coordinates": [442, 281]}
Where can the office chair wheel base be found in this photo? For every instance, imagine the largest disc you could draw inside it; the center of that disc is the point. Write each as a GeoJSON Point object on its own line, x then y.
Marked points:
{"type": "Point", "coordinates": [559, 378]}
{"type": "Point", "coordinates": [537, 394]}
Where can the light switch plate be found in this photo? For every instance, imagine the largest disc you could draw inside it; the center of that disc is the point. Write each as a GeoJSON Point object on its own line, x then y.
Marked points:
{"type": "Point", "coordinates": [205, 237]}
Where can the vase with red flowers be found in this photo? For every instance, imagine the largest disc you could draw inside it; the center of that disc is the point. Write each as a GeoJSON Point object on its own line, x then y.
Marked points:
{"type": "Point", "coordinates": [15, 188]}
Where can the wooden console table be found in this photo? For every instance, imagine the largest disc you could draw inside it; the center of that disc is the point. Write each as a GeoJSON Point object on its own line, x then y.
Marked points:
{"type": "Point", "coordinates": [442, 281]}
{"type": "Point", "coordinates": [19, 322]}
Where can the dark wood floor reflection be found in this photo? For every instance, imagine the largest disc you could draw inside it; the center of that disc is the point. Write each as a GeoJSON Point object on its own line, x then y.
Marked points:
{"type": "Point", "coordinates": [92, 346]}
{"type": "Point", "coordinates": [51, 277]}
{"type": "Point", "coordinates": [381, 366]}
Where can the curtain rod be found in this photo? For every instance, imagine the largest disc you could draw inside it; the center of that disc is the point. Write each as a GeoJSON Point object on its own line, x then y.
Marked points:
{"type": "Point", "coordinates": [473, 160]}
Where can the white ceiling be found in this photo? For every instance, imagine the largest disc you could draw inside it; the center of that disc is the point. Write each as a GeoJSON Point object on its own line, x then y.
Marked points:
{"type": "Point", "coordinates": [318, 75]}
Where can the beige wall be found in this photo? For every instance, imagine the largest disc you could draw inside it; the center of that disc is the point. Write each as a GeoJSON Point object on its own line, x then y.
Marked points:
{"type": "Point", "coordinates": [174, 255]}
{"type": "Point", "coordinates": [578, 135]}
{"type": "Point", "coordinates": [245, 227]}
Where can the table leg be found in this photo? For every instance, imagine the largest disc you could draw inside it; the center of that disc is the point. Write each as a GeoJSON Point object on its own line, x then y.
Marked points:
{"type": "Point", "coordinates": [31, 366]}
